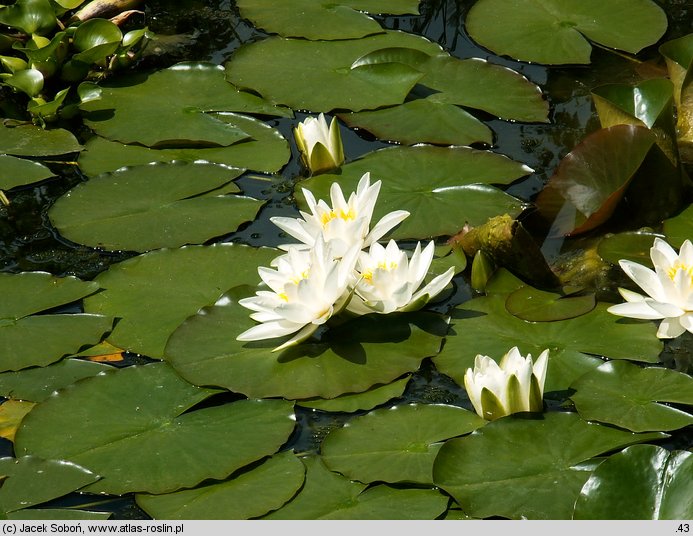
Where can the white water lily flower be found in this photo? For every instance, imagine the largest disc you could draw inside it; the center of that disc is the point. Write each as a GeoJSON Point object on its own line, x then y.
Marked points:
{"type": "Point", "coordinates": [320, 146]}
{"type": "Point", "coordinates": [515, 385]}
{"type": "Point", "coordinates": [669, 289]}
{"type": "Point", "coordinates": [343, 225]}
{"type": "Point", "coordinates": [307, 288]}
{"type": "Point", "coordinates": [389, 280]}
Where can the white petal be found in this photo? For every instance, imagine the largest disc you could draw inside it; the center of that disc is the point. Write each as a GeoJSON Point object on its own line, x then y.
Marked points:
{"type": "Point", "coordinates": [670, 328]}
{"type": "Point", "coordinates": [301, 336]}
{"type": "Point", "coordinates": [645, 278]}
{"type": "Point", "coordinates": [540, 366]}
{"type": "Point", "coordinates": [687, 321]}
{"type": "Point", "coordinates": [293, 227]}
{"type": "Point", "coordinates": [631, 296]}
{"type": "Point", "coordinates": [662, 254]}
{"type": "Point", "coordinates": [269, 330]}
{"type": "Point", "coordinates": [667, 310]}
{"type": "Point", "coordinates": [386, 223]}
{"type": "Point", "coordinates": [436, 285]}
{"type": "Point", "coordinates": [635, 310]}
{"type": "Point", "coordinates": [686, 253]}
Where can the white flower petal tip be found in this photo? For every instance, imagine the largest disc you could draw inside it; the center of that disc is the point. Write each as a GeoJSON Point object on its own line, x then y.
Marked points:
{"type": "Point", "coordinates": [515, 385]}
{"type": "Point", "coordinates": [320, 145]}
{"type": "Point", "coordinates": [668, 288]}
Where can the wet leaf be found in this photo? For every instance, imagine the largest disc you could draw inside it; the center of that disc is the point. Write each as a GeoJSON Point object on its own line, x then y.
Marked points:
{"type": "Point", "coordinates": [28, 140]}
{"type": "Point", "coordinates": [95, 40]}
{"type": "Point", "coordinates": [349, 403]}
{"type": "Point", "coordinates": [396, 444]}
{"type": "Point", "coordinates": [534, 305]}
{"type": "Point", "coordinates": [11, 414]}
{"type": "Point", "coordinates": [19, 172]}
{"type": "Point", "coordinates": [634, 397]}
{"type": "Point", "coordinates": [522, 468]}
{"type": "Point", "coordinates": [145, 414]}
{"type": "Point", "coordinates": [29, 16]}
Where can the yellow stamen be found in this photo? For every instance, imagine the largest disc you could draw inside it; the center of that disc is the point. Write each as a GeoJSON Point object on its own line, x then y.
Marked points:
{"type": "Point", "coordinates": [283, 296]}
{"type": "Point", "coordinates": [678, 265]}
{"type": "Point", "coordinates": [327, 217]}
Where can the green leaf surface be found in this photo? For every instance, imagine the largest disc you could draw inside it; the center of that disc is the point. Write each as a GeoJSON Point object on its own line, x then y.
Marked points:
{"type": "Point", "coordinates": [569, 341]}
{"type": "Point", "coordinates": [422, 121]}
{"type": "Point", "coordinates": [28, 81]}
{"type": "Point", "coordinates": [633, 246]}
{"type": "Point", "coordinates": [95, 40]}
{"type": "Point", "coordinates": [678, 54]}
{"type": "Point", "coordinates": [442, 187]}
{"type": "Point", "coordinates": [29, 16]}
{"type": "Point", "coordinates": [640, 482]}
{"type": "Point", "coordinates": [349, 403]}
{"type": "Point", "coordinates": [195, 276]}
{"type": "Point", "coordinates": [557, 31]}
{"type": "Point", "coordinates": [534, 305]}
{"type": "Point", "coordinates": [329, 495]}
{"type": "Point", "coordinates": [58, 514]}
{"type": "Point", "coordinates": [31, 480]}
{"type": "Point", "coordinates": [142, 414]}
{"type": "Point", "coordinates": [267, 151]}
{"type": "Point", "coordinates": [522, 468]}
{"type": "Point", "coordinates": [396, 444]}
{"type": "Point", "coordinates": [634, 397]}
{"type": "Point", "coordinates": [348, 358]}
{"type": "Point", "coordinates": [154, 206]}
{"type": "Point", "coordinates": [37, 384]}
{"type": "Point", "coordinates": [183, 118]}
{"type": "Point", "coordinates": [248, 494]}
{"type": "Point", "coordinates": [680, 227]}
{"type": "Point", "coordinates": [19, 172]}
{"type": "Point", "coordinates": [28, 140]}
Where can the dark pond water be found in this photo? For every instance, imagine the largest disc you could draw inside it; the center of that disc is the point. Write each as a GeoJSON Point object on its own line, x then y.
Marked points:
{"type": "Point", "coordinates": [210, 30]}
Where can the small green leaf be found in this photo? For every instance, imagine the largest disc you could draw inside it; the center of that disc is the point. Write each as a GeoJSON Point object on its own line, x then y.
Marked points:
{"type": "Point", "coordinates": [534, 305]}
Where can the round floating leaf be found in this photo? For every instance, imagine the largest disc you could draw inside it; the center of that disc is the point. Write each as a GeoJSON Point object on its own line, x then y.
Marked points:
{"type": "Point", "coordinates": [28, 140]}
{"type": "Point", "coordinates": [526, 468]}
{"type": "Point", "coordinates": [640, 482]}
{"type": "Point", "coordinates": [568, 341]}
{"type": "Point", "coordinates": [95, 40]}
{"type": "Point", "coordinates": [142, 414]}
{"type": "Point", "coordinates": [327, 64]}
{"type": "Point", "coordinates": [31, 480]}
{"type": "Point", "coordinates": [328, 495]}
{"type": "Point", "coordinates": [246, 495]}
{"type": "Point", "coordinates": [348, 358]}
{"type": "Point", "coordinates": [18, 172]}
{"type": "Point", "coordinates": [592, 179]}
{"type": "Point", "coordinates": [679, 228]}
{"type": "Point", "coordinates": [630, 396]}
{"type": "Point", "coordinates": [557, 32]}
{"type": "Point", "coordinates": [349, 403]}
{"type": "Point", "coordinates": [11, 414]}
{"type": "Point", "coordinates": [37, 384]}
{"type": "Point", "coordinates": [154, 206]}
{"type": "Point", "coordinates": [267, 151]}
{"type": "Point", "coordinates": [442, 187]}
{"type": "Point", "coordinates": [29, 16]}
{"type": "Point", "coordinates": [183, 118]}
{"type": "Point", "coordinates": [633, 246]}
{"type": "Point", "coordinates": [534, 305]}
{"type": "Point", "coordinates": [422, 121]}
{"type": "Point", "coordinates": [395, 444]}
{"type": "Point", "coordinates": [195, 276]}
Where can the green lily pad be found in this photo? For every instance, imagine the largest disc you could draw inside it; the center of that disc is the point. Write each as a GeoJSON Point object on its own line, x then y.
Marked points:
{"type": "Point", "coordinates": [195, 276]}
{"type": "Point", "coordinates": [395, 444]}
{"type": "Point", "coordinates": [679, 228]}
{"type": "Point", "coordinates": [640, 482]}
{"type": "Point", "coordinates": [534, 305]}
{"type": "Point", "coordinates": [422, 121]}
{"type": "Point", "coordinates": [569, 341]}
{"type": "Point", "coordinates": [633, 246]}
{"type": "Point", "coordinates": [328, 495]}
{"type": "Point", "coordinates": [592, 179]}
{"type": "Point", "coordinates": [28, 140]}
{"type": "Point", "coordinates": [37, 384]}
{"type": "Point", "coordinates": [526, 468]}
{"type": "Point", "coordinates": [442, 187]}
{"type": "Point", "coordinates": [557, 32]}
{"type": "Point", "coordinates": [143, 414]}
{"type": "Point", "coordinates": [183, 118]}
{"type": "Point", "coordinates": [631, 397]}
{"type": "Point", "coordinates": [321, 20]}
{"type": "Point", "coordinates": [29, 16]}
{"type": "Point", "coordinates": [267, 151]}
{"type": "Point", "coordinates": [678, 54]}
{"type": "Point", "coordinates": [349, 403]}
{"type": "Point", "coordinates": [348, 358]}
{"type": "Point", "coordinates": [43, 514]}
{"type": "Point", "coordinates": [247, 495]}
{"type": "Point", "coordinates": [31, 480]}
{"type": "Point", "coordinates": [155, 206]}
{"type": "Point", "coordinates": [95, 40]}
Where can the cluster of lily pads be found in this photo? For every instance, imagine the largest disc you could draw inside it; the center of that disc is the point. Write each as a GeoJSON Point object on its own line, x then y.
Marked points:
{"type": "Point", "coordinates": [225, 414]}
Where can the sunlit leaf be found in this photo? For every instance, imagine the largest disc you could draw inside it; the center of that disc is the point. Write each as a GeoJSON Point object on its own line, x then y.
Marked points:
{"type": "Point", "coordinates": [680, 227]}
{"type": "Point", "coordinates": [95, 40]}
{"type": "Point", "coordinates": [144, 414]}
{"type": "Point", "coordinates": [523, 468]}
{"type": "Point", "coordinates": [28, 140]}
{"type": "Point", "coordinates": [29, 16]}
{"type": "Point", "coordinates": [11, 414]}
{"type": "Point", "coordinates": [633, 246]}
{"type": "Point", "coordinates": [28, 81]}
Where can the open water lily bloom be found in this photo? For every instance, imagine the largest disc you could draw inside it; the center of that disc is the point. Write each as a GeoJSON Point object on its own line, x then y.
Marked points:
{"type": "Point", "coordinates": [344, 224]}
{"type": "Point", "coordinates": [513, 386]}
{"type": "Point", "coordinates": [389, 281]}
{"type": "Point", "coordinates": [307, 289]}
{"type": "Point", "coordinates": [669, 289]}
{"type": "Point", "coordinates": [320, 146]}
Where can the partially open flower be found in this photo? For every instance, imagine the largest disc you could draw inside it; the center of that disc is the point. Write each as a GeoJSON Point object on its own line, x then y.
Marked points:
{"type": "Point", "coordinates": [344, 224]}
{"type": "Point", "coordinates": [307, 288]}
{"type": "Point", "coordinates": [320, 146]}
{"type": "Point", "coordinates": [514, 386]}
{"type": "Point", "coordinates": [669, 289]}
{"type": "Point", "coordinates": [389, 281]}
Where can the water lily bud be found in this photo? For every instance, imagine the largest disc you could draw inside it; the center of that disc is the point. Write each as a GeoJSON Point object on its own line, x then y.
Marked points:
{"type": "Point", "coordinates": [516, 385]}
{"type": "Point", "coordinates": [320, 146]}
